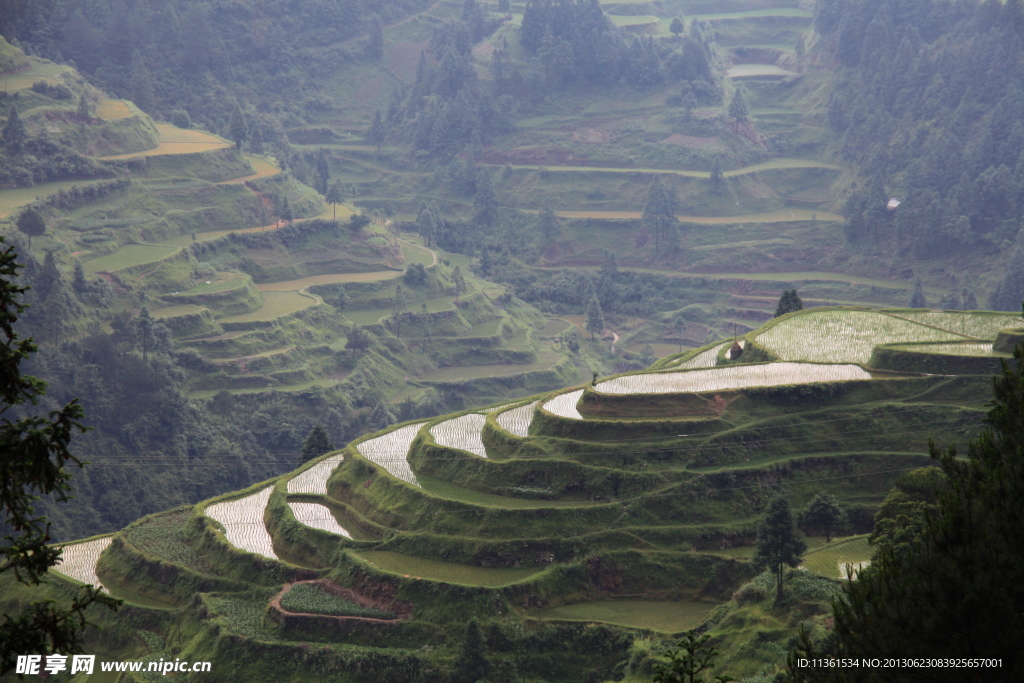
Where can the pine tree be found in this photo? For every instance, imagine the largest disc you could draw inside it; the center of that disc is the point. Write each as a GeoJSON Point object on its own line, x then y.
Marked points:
{"type": "Point", "coordinates": [375, 44]}
{"type": "Point", "coordinates": [84, 109]}
{"type": "Point", "coordinates": [399, 305]}
{"type": "Point", "coordinates": [237, 128]}
{"type": "Point", "coordinates": [317, 443]}
{"type": "Point", "coordinates": [376, 134]}
{"type": "Point", "coordinates": [659, 214]}
{"type": "Point", "coordinates": [144, 325]}
{"type": "Point", "coordinates": [381, 417]}
{"type": "Point", "coordinates": [822, 513]}
{"type": "Point", "coordinates": [738, 108]}
{"type": "Point", "coordinates": [547, 223]}
{"type": "Point", "coordinates": [35, 452]}
{"type": "Point", "coordinates": [917, 299]}
{"type": "Point", "coordinates": [472, 664]}
{"type": "Point", "coordinates": [323, 172]}
{"type": "Point", "coordinates": [358, 339]}
{"type": "Point", "coordinates": [690, 657]}
{"type": "Point", "coordinates": [717, 178]}
{"type": "Point", "coordinates": [595, 317]}
{"type": "Point", "coordinates": [459, 282]}
{"type": "Point", "coordinates": [676, 27]}
{"type": "Point", "coordinates": [14, 135]}
{"type": "Point", "coordinates": [789, 301]}
{"type": "Point", "coordinates": [778, 541]}
{"type": "Point", "coordinates": [341, 301]}
{"type": "Point", "coordinates": [79, 281]}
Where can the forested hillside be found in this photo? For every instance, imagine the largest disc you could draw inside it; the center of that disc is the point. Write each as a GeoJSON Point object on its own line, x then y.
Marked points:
{"type": "Point", "coordinates": [927, 106]}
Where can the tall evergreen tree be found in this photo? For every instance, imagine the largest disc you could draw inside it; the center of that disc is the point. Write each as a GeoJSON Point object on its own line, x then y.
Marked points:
{"type": "Point", "coordinates": [676, 27]}
{"type": "Point", "coordinates": [789, 301]}
{"type": "Point", "coordinates": [717, 177]}
{"type": "Point", "coordinates": [316, 444]}
{"type": "Point", "coordinates": [659, 214]}
{"type": "Point", "coordinates": [34, 454]}
{"type": "Point", "coordinates": [459, 282]}
{"type": "Point", "coordinates": [595, 317]}
{"type": "Point", "coordinates": [738, 107]}
{"type": "Point", "coordinates": [375, 135]}
{"type": "Point", "coordinates": [335, 195]}
{"type": "Point", "coordinates": [917, 299]}
{"type": "Point", "coordinates": [472, 664]}
{"type": "Point", "coordinates": [778, 541]}
{"type": "Point", "coordinates": [323, 172]}
{"type": "Point", "coordinates": [399, 306]}
{"type": "Point", "coordinates": [547, 223]}
{"type": "Point", "coordinates": [237, 128]}
{"type": "Point", "coordinates": [14, 135]}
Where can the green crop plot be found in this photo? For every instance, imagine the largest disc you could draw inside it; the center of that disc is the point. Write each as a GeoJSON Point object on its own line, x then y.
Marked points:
{"type": "Point", "coordinates": [11, 198]}
{"type": "Point", "coordinates": [228, 282]}
{"type": "Point", "coordinates": [275, 305]}
{"type": "Point", "coordinates": [262, 167]}
{"type": "Point", "coordinates": [175, 311]}
{"type": "Point", "coordinates": [831, 560]}
{"type": "Point", "coordinates": [327, 279]}
{"type": "Point", "coordinates": [128, 256]}
{"type": "Point", "coordinates": [665, 616]}
{"type": "Point", "coordinates": [446, 489]}
{"type": "Point", "coordinates": [41, 71]}
{"type": "Point", "coordinates": [416, 254]}
{"type": "Point", "coordinates": [781, 216]}
{"type": "Point", "coordinates": [843, 336]}
{"type": "Point", "coordinates": [308, 598]}
{"type": "Point", "coordinates": [160, 536]}
{"type": "Point", "coordinates": [179, 141]}
{"type": "Point", "coordinates": [754, 13]}
{"type": "Point", "coordinates": [555, 327]}
{"type": "Point", "coordinates": [447, 572]}
{"type": "Point", "coordinates": [245, 617]}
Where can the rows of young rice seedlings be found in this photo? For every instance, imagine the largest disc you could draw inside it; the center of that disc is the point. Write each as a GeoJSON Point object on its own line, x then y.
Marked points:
{"type": "Point", "coordinates": [462, 432]}
{"type": "Point", "coordinates": [731, 377]}
{"type": "Point", "coordinates": [979, 325]}
{"type": "Point", "coordinates": [242, 520]}
{"type": "Point", "coordinates": [306, 598]}
{"type": "Point", "coordinates": [517, 421]}
{"type": "Point", "coordinates": [314, 480]}
{"type": "Point", "coordinates": [968, 349]}
{"type": "Point", "coordinates": [564, 405]}
{"type": "Point", "coordinates": [78, 561]}
{"type": "Point", "coordinates": [160, 536]}
{"type": "Point", "coordinates": [843, 336]}
{"type": "Point", "coordinates": [704, 359]}
{"type": "Point", "coordinates": [317, 516]}
{"type": "Point", "coordinates": [391, 451]}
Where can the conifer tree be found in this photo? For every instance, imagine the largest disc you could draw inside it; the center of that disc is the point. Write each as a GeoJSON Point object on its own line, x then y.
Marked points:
{"type": "Point", "coordinates": [375, 135]}
{"type": "Point", "coordinates": [547, 223]}
{"type": "Point", "coordinates": [399, 304]}
{"type": "Point", "coordinates": [778, 541]}
{"type": "Point", "coordinates": [595, 317]}
{"type": "Point", "coordinates": [789, 301]}
{"type": "Point", "coordinates": [237, 128]}
{"type": "Point", "coordinates": [917, 299]}
{"type": "Point", "coordinates": [316, 444]}
{"type": "Point", "coordinates": [676, 27]}
{"type": "Point", "coordinates": [717, 178]}
{"type": "Point", "coordinates": [34, 452]}
{"type": "Point", "coordinates": [659, 214]}
{"type": "Point", "coordinates": [14, 135]}
{"type": "Point", "coordinates": [358, 339]}
{"type": "Point", "coordinates": [335, 195]}
{"type": "Point", "coordinates": [472, 664]}
{"type": "Point", "coordinates": [738, 108]}
{"type": "Point", "coordinates": [459, 282]}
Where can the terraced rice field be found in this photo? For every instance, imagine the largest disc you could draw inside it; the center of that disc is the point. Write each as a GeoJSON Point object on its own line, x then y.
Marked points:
{"type": "Point", "coordinates": [314, 480]}
{"type": "Point", "coordinates": [843, 336]}
{"type": "Point", "coordinates": [462, 432]}
{"type": "Point", "coordinates": [178, 141]}
{"type": "Point", "coordinates": [262, 167]}
{"type": "Point", "coordinates": [754, 13]}
{"type": "Point", "coordinates": [11, 198]}
{"type": "Point", "coordinates": [225, 283]}
{"type": "Point", "coordinates": [781, 216]}
{"type": "Point", "coordinates": [390, 451]}
{"type": "Point", "coordinates": [752, 70]}
{"type": "Point", "coordinates": [78, 561]}
{"type": "Point", "coordinates": [704, 359]}
{"type": "Point", "coordinates": [732, 377]}
{"type": "Point", "coordinates": [564, 405]}
{"type": "Point", "coordinates": [517, 421]}
{"type": "Point", "coordinates": [423, 568]}
{"type": "Point", "coordinates": [128, 256]}
{"type": "Point", "coordinates": [414, 253]}
{"type": "Point", "coordinates": [463, 372]}
{"type": "Point", "coordinates": [160, 536]}
{"type": "Point", "coordinates": [978, 325]}
{"type": "Point", "coordinates": [175, 311]}
{"type": "Point", "coordinates": [831, 560]}
{"type": "Point", "coordinates": [446, 489]}
{"type": "Point", "coordinates": [112, 110]}
{"type": "Point", "coordinates": [317, 516]}
{"type": "Point", "coordinates": [328, 279]}
{"type": "Point", "coordinates": [982, 349]}
{"type": "Point", "coordinates": [40, 71]}
{"type": "Point", "coordinates": [554, 327]}
{"type": "Point", "coordinates": [664, 616]}
{"type": "Point", "coordinates": [275, 305]}
{"type": "Point", "coordinates": [780, 163]}
{"type": "Point", "coordinates": [242, 520]}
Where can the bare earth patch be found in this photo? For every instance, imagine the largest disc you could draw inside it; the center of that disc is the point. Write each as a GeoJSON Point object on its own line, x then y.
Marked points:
{"type": "Point", "coordinates": [596, 136]}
